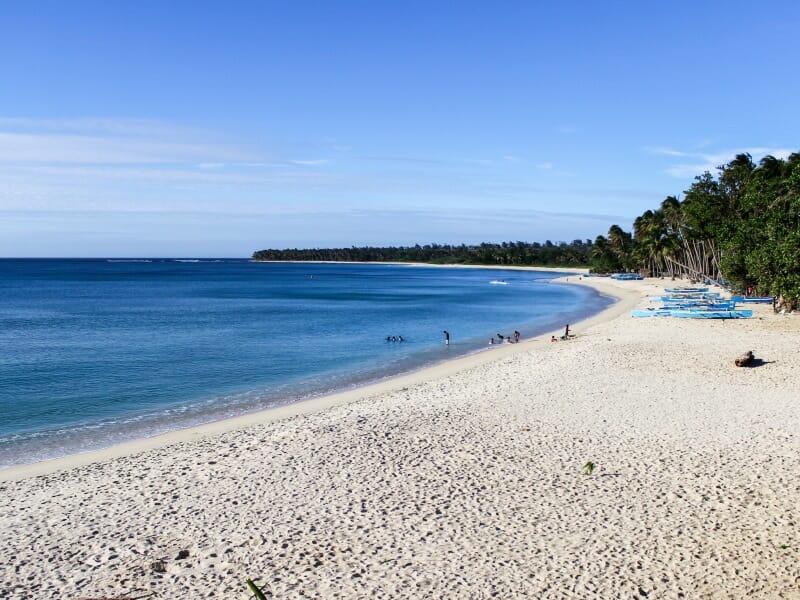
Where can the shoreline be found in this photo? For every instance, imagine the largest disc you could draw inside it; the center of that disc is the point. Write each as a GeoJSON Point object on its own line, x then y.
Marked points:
{"type": "Point", "coordinates": [320, 403]}
{"type": "Point", "coordinates": [465, 482]}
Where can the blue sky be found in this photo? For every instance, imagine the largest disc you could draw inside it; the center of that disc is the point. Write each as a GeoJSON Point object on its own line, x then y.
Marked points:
{"type": "Point", "coordinates": [214, 129]}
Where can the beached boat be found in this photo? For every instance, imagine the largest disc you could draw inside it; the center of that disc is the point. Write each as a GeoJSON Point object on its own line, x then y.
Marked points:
{"type": "Point", "coordinates": [627, 277]}
{"type": "Point", "coordinates": [709, 306]}
{"type": "Point", "coordinates": [684, 313]}
{"type": "Point", "coordinates": [754, 299]}
{"type": "Point", "coordinates": [688, 301]}
{"type": "Point", "coordinates": [683, 290]}
{"type": "Point", "coordinates": [711, 296]}
{"type": "Point", "coordinates": [712, 314]}
{"type": "Point", "coordinates": [654, 312]}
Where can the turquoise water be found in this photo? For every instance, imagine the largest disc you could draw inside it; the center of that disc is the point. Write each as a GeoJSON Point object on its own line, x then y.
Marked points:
{"type": "Point", "coordinates": [96, 352]}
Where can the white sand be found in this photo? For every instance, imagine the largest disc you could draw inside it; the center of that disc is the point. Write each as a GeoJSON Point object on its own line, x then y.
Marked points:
{"type": "Point", "coordinates": [462, 481]}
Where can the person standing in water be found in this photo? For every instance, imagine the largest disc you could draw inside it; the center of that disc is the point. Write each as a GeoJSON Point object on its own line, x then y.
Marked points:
{"type": "Point", "coordinates": [446, 338]}
{"type": "Point", "coordinates": [516, 336]}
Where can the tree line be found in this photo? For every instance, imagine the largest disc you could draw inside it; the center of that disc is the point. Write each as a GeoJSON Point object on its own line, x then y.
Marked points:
{"type": "Point", "coordinates": [548, 254]}
{"type": "Point", "coordinates": [740, 227]}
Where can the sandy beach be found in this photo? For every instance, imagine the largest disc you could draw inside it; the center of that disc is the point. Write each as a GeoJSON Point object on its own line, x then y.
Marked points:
{"type": "Point", "coordinates": [460, 481]}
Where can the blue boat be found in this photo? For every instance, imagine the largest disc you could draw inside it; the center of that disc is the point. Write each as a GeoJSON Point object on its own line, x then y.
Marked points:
{"type": "Point", "coordinates": [627, 277]}
{"type": "Point", "coordinates": [753, 300]}
{"type": "Point", "coordinates": [656, 312]}
{"type": "Point", "coordinates": [712, 314]}
{"type": "Point", "coordinates": [688, 301]}
{"type": "Point", "coordinates": [693, 314]}
{"type": "Point", "coordinates": [711, 296]}
{"type": "Point", "coordinates": [697, 307]}
{"type": "Point", "coordinates": [683, 290]}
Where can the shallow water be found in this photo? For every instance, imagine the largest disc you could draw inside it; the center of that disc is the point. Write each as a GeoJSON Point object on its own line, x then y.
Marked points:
{"type": "Point", "coordinates": [96, 352]}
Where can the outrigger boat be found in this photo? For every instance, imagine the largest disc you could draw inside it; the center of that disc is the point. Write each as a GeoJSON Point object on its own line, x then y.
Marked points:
{"type": "Point", "coordinates": [754, 299]}
{"type": "Point", "coordinates": [709, 306]}
{"type": "Point", "coordinates": [711, 296]}
{"type": "Point", "coordinates": [694, 303]}
{"type": "Point", "coordinates": [694, 314]}
{"type": "Point", "coordinates": [713, 314]}
{"type": "Point", "coordinates": [627, 277]}
{"type": "Point", "coordinates": [683, 290]}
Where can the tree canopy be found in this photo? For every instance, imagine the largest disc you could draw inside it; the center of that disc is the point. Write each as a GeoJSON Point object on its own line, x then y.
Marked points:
{"type": "Point", "coordinates": [560, 254]}
{"type": "Point", "coordinates": [741, 227]}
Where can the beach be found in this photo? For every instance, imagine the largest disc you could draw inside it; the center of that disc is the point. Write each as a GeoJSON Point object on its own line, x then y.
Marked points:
{"type": "Point", "coordinates": [464, 480]}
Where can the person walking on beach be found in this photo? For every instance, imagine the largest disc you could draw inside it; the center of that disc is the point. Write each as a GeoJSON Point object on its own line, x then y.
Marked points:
{"type": "Point", "coordinates": [446, 338]}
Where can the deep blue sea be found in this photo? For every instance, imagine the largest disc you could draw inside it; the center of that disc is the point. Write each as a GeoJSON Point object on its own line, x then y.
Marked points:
{"type": "Point", "coordinates": [97, 352]}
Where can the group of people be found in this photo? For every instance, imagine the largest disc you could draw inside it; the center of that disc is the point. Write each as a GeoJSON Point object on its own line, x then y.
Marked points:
{"type": "Point", "coordinates": [566, 335]}
{"type": "Point", "coordinates": [501, 339]}
{"type": "Point", "coordinates": [505, 339]}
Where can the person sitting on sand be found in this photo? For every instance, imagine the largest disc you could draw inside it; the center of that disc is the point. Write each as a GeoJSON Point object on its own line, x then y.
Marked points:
{"type": "Point", "coordinates": [553, 338]}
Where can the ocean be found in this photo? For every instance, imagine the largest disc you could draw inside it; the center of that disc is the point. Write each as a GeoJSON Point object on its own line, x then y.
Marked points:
{"type": "Point", "coordinates": [98, 352]}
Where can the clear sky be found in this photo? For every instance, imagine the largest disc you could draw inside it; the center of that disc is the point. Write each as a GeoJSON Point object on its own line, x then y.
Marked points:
{"type": "Point", "coordinates": [218, 128]}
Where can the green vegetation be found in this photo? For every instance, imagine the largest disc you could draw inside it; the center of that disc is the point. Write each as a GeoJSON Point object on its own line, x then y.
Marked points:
{"type": "Point", "coordinates": [256, 591]}
{"type": "Point", "coordinates": [588, 468]}
{"type": "Point", "coordinates": [575, 254]}
{"type": "Point", "coordinates": [741, 227]}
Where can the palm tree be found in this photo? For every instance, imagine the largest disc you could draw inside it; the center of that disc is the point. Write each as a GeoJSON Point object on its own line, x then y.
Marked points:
{"type": "Point", "coordinates": [620, 242]}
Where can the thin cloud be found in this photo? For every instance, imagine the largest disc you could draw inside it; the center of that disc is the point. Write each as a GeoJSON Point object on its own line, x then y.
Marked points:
{"type": "Point", "coordinates": [401, 159]}
{"type": "Point", "coordinates": [20, 148]}
{"type": "Point", "coordinates": [321, 161]}
{"type": "Point", "coordinates": [700, 162]}
{"type": "Point", "coordinates": [545, 165]}
{"type": "Point", "coordinates": [666, 151]}
{"type": "Point", "coordinates": [123, 141]}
